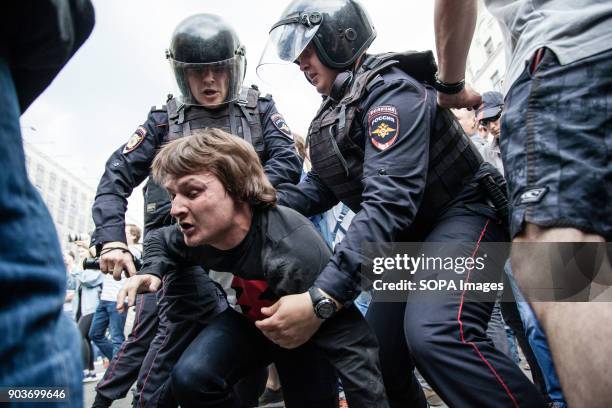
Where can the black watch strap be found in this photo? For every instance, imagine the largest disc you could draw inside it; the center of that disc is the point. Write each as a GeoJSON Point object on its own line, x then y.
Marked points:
{"type": "Point", "coordinates": [315, 295]}
{"type": "Point", "coordinates": [448, 88]}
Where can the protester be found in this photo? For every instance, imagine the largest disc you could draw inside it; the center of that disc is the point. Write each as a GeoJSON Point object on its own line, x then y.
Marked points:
{"type": "Point", "coordinates": [228, 221]}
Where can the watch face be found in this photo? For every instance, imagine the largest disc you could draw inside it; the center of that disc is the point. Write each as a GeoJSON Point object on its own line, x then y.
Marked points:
{"type": "Point", "coordinates": [325, 309]}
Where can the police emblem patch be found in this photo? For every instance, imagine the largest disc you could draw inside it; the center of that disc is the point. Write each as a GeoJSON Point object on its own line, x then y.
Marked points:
{"type": "Point", "coordinates": [383, 126]}
{"type": "Point", "coordinates": [135, 140]}
{"type": "Point", "coordinates": [280, 124]}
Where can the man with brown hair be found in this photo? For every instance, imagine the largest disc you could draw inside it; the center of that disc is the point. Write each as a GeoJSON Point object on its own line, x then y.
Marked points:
{"type": "Point", "coordinates": [228, 221]}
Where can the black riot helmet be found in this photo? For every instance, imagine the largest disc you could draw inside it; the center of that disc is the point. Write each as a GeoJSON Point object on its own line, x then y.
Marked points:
{"type": "Point", "coordinates": [340, 30]}
{"type": "Point", "coordinates": [204, 44]}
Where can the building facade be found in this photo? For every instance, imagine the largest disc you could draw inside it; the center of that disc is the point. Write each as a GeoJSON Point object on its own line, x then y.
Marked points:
{"type": "Point", "coordinates": [486, 64]}
{"type": "Point", "coordinates": [68, 199]}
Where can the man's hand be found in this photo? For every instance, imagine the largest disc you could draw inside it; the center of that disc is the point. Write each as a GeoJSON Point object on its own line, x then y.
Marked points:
{"type": "Point", "coordinates": [291, 321]}
{"type": "Point", "coordinates": [134, 285]}
{"type": "Point", "coordinates": [116, 260]}
{"type": "Point", "coordinates": [467, 98]}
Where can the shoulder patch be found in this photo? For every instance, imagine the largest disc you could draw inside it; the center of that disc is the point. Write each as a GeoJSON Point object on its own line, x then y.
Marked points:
{"type": "Point", "coordinates": [383, 126]}
{"type": "Point", "coordinates": [135, 140]}
{"type": "Point", "coordinates": [281, 125]}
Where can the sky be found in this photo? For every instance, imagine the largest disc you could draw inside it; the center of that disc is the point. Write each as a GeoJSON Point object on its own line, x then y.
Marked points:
{"type": "Point", "coordinates": [106, 91]}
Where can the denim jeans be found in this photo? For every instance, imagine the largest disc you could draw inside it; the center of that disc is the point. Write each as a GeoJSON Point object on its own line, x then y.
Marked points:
{"type": "Point", "coordinates": [39, 346]}
{"type": "Point", "coordinates": [107, 316]}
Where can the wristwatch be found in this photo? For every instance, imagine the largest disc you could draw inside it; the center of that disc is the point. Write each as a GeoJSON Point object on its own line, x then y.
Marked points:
{"type": "Point", "coordinates": [323, 306]}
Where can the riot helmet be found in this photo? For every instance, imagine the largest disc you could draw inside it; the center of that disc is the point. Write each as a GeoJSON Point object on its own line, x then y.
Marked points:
{"type": "Point", "coordinates": [208, 61]}
{"type": "Point", "coordinates": [340, 30]}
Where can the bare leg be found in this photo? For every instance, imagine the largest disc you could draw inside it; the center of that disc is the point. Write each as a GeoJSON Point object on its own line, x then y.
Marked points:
{"type": "Point", "coordinates": [578, 333]}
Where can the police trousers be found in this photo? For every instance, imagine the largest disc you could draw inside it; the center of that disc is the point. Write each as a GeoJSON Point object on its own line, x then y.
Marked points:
{"type": "Point", "coordinates": [446, 337]}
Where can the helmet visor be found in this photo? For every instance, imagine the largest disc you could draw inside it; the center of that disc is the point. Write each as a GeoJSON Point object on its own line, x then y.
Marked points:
{"type": "Point", "coordinates": [285, 44]}
{"type": "Point", "coordinates": [209, 84]}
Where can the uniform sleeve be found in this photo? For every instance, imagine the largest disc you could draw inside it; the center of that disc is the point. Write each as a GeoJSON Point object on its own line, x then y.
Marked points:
{"type": "Point", "coordinates": [283, 164]}
{"type": "Point", "coordinates": [163, 250]}
{"type": "Point", "coordinates": [309, 197]}
{"type": "Point", "coordinates": [397, 118]}
{"type": "Point", "coordinates": [127, 167]}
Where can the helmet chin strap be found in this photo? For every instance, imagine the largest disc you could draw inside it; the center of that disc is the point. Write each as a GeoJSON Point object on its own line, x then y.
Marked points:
{"type": "Point", "coordinates": [343, 80]}
{"type": "Point", "coordinates": [341, 83]}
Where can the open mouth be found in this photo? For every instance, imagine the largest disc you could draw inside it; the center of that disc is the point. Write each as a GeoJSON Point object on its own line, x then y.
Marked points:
{"type": "Point", "coordinates": [210, 92]}
{"type": "Point", "coordinates": [187, 228]}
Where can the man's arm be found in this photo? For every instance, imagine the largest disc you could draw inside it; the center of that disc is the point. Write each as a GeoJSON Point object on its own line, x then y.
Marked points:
{"type": "Point", "coordinates": [394, 178]}
{"type": "Point", "coordinates": [309, 197]}
{"type": "Point", "coordinates": [283, 164]}
{"type": "Point", "coordinates": [162, 253]}
{"type": "Point", "coordinates": [454, 23]}
{"type": "Point", "coordinates": [127, 167]}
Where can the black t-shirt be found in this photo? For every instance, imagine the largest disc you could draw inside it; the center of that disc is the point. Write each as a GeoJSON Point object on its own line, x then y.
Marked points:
{"type": "Point", "coordinates": [281, 248]}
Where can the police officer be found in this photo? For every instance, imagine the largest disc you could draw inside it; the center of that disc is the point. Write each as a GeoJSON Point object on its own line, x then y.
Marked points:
{"type": "Point", "coordinates": [380, 144]}
{"type": "Point", "coordinates": [209, 65]}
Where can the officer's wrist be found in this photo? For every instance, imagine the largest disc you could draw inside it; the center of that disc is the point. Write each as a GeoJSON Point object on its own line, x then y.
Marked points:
{"type": "Point", "coordinates": [338, 304]}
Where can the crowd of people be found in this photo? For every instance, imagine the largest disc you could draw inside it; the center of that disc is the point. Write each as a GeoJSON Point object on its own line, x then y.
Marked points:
{"type": "Point", "coordinates": [91, 301]}
{"type": "Point", "coordinates": [253, 287]}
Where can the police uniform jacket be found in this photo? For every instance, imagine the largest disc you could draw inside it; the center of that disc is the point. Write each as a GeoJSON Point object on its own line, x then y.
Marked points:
{"type": "Point", "coordinates": [130, 165]}
{"type": "Point", "coordinates": [393, 125]}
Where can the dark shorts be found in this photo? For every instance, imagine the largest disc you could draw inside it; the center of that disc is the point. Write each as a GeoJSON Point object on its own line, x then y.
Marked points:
{"type": "Point", "coordinates": [556, 144]}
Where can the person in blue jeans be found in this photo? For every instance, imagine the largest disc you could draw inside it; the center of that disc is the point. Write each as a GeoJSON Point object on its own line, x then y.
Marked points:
{"type": "Point", "coordinates": [107, 316]}
{"type": "Point", "coordinates": [38, 342]}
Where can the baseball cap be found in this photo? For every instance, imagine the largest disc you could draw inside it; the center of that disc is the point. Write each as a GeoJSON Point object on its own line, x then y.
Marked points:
{"type": "Point", "coordinates": [492, 105]}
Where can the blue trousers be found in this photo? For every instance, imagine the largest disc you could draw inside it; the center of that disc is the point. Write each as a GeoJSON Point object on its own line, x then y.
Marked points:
{"type": "Point", "coordinates": [107, 316]}
{"type": "Point", "coordinates": [39, 346]}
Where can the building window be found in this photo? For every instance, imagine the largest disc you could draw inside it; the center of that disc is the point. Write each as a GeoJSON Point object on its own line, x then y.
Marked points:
{"type": "Point", "coordinates": [488, 47]}
{"type": "Point", "coordinates": [40, 175]}
{"type": "Point", "coordinates": [52, 181]}
{"type": "Point", "coordinates": [61, 214]}
{"type": "Point", "coordinates": [496, 81]}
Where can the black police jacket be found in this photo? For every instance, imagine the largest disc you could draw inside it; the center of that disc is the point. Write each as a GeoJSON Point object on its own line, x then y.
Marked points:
{"type": "Point", "coordinates": [129, 165]}
{"type": "Point", "coordinates": [393, 124]}
{"type": "Point", "coordinates": [281, 248]}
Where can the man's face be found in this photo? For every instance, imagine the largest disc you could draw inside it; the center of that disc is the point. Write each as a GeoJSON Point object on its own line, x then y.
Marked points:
{"type": "Point", "coordinates": [209, 86]}
{"type": "Point", "coordinates": [203, 208]}
{"type": "Point", "coordinates": [493, 125]}
{"type": "Point", "coordinates": [467, 120]}
{"type": "Point", "coordinates": [320, 76]}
